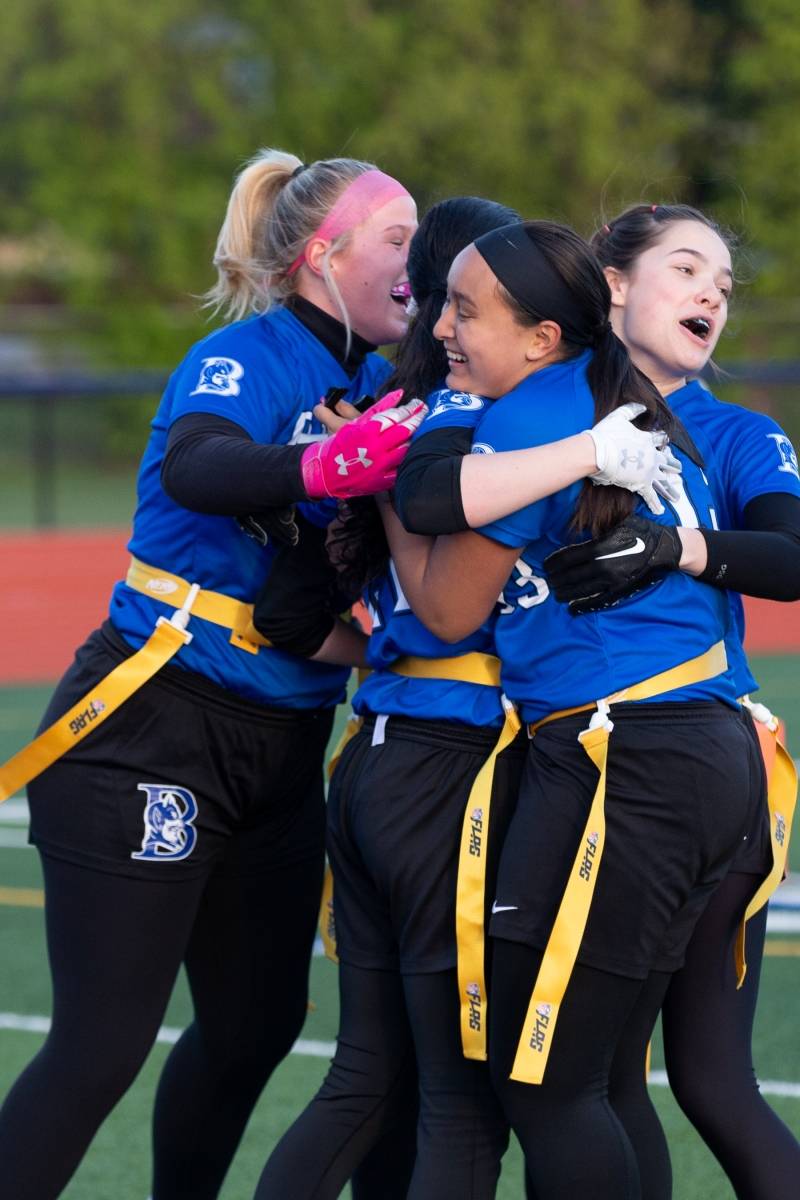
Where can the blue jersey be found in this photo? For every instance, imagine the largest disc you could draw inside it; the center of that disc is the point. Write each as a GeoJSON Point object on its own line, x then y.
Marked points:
{"type": "Point", "coordinates": [397, 632]}
{"type": "Point", "coordinates": [551, 660]}
{"type": "Point", "coordinates": [265, 374]}
{"type": "Point", "coordinates": [746, 454]}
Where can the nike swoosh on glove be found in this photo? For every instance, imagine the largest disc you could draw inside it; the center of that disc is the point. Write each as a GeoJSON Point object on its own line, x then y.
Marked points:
{"type": "Point", "coordinates": [363, 456]}
{"type": "Point", "coordinates": [594, 575]}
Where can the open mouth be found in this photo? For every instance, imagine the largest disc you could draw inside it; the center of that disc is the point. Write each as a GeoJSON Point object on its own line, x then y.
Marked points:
{"type": "Point", "coordinates": [454, 357]}
{"type": "Point", "coordinates": [401, 293]}
{"type": "Point", "coordinates": [699, 326]}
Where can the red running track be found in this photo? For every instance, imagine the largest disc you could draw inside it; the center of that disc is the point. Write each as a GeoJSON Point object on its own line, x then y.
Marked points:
{"type": "Point", "coordinates": [56, 588]}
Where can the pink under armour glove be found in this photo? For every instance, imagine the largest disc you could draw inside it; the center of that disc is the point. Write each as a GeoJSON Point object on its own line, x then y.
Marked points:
{"type": "Point", "coordinates": [362, 457]}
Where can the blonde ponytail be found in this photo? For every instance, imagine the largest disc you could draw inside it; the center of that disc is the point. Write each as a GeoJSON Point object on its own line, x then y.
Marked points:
{"type": "Point", "coordinates": [276, 206]}
{"type": "Point", "coordinates": [244, 283]}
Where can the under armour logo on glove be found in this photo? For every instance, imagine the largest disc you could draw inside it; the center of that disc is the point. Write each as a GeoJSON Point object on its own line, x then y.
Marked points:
{"type": "Point", "coordinates": [360, 460]}
{"type": "Point", "coordinates": [636, 459]}
{"type": "Point", "coordinates": [362, 457]}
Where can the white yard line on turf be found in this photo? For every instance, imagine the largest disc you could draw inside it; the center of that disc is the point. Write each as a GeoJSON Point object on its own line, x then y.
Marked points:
{"type": "Point", "coordinates": [314, 1049]}
{"type": "Point", "coordinates": [167, 1033]}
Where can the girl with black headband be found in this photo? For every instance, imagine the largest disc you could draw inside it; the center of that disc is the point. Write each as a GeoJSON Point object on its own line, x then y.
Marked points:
{"type": "Point", "coordinates": [431, 714]}
{"type": "Point", "coordinates": [615, 845]}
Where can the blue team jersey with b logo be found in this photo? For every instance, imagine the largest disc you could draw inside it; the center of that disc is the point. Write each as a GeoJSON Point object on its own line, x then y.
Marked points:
{"type": "Point", "coordinates": [746, 454]}
{"type": "Point", "coordinates": [551, 660]}
{"type": "Point", "coordinates": [396, 632]}
{"type": "Point", "coordinates": [265, 374]}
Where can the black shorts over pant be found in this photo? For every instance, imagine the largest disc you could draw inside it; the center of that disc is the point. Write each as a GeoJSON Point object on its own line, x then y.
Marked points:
{"type": "Point", "coordinates": [395, 812]}
{"type": "Point", "coordinates": [253, 772]}
{"type": "Point", "coordinates": [227, 880]}
{"type": "Point", "coordinates": [685, 783]}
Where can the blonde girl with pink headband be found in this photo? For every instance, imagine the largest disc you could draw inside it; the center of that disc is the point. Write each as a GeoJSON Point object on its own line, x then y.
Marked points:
{"type": "Point", "coordinates": [188, 824]}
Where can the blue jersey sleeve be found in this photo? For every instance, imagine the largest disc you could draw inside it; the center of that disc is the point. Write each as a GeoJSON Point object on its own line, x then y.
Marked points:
{"type": "Point", "coordinates": [759, 459]}
{"type": "Point", "coordinates": [537, 412]}
{"type": "Point", "coordinates": [234, 373]}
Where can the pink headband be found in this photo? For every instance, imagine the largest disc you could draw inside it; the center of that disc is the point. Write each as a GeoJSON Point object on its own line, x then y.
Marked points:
{"type": "Point", "coordinates": [359, 200]}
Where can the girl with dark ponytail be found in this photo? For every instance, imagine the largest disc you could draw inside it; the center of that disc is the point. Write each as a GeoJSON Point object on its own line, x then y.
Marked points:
{"type": "Point", "coordinates": [615, 844]}
{"type": "Point", "coordinates": [430, 716]}
{"type": "Point", "coordinates": [357, 541]}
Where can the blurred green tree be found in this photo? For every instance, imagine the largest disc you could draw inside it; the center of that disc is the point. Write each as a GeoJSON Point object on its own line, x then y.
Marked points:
{"type": "Point", "coordinates": [124, 125]}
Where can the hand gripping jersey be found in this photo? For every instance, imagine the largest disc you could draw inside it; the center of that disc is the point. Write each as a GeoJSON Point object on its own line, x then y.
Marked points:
{"type": "Point", "coordinates": [265, 374]}
{"type": "Point", "coordinates": [746, 454]}
{"type": "Point", "coordinates": [551, 660]}
{"type": "Point", "coordinates": [396, 632]}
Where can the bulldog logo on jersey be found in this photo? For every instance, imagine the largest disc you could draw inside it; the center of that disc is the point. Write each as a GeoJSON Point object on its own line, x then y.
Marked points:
{"type": "Point", "coordinates": [787, 453]}
{"type": "Point", "coordinates": [445, 401]}
{"type": "Point", "coordinates": [169, 832]}
{"type": "Point", "coordinates": [219, 376]}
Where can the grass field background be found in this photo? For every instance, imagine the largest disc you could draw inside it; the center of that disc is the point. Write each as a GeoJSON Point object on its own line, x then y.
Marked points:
{"type": "Point", "coordinates": [117, 1165]}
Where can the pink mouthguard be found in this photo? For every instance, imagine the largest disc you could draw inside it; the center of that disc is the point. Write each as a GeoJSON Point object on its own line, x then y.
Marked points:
{"type": "Point", "coordinates": [359, 200]}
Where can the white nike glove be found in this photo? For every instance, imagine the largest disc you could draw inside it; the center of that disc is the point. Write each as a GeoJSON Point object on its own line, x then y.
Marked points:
{"type": "Point", "coordinates": [636, 459]}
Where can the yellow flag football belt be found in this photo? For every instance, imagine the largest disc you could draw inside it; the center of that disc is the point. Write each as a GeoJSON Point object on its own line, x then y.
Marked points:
{"type": "Point", "coordinates": [484, 670]}
{"type": "Point", "coordinates": [106, 696]}
{"type": "Point", "coordinates": [565, 938]}
{"type": "Point", "coordinates": [781, 801]}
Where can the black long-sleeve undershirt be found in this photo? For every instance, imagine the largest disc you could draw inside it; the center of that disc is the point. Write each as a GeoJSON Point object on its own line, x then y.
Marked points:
{"type": "Point", "coordinates": [427, 494]}
{"type": "Point", "coordinates": [296, 608]}
{"type": "Point", "coordinates": [212, 465]}
{"type": "Point", "coordinates": [762, 559]}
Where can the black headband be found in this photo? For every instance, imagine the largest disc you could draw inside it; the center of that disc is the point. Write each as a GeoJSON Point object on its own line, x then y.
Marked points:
{"type": "Point", "coordinates": [525, 272]}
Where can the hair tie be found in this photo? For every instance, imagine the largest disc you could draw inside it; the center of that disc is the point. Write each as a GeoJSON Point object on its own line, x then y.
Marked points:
{"type": "Point", "coordinates": [653, 208]}
{"type": "Point", "coordinates": [606, 229]}
{"type": "Point", "coordinates": [297, 170]}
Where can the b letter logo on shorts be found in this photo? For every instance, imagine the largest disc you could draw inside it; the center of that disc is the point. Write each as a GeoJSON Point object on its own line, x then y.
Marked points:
{"type": "Point", "coordinates": [169, 832]}
{"type": "Point", "coordinates": [218, 377]}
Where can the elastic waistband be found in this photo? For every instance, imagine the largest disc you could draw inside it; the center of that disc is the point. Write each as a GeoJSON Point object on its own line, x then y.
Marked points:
{"type": "Point", "coordinates": [631, 710]}
{"type": "Point", "coordinates": [478, 739]}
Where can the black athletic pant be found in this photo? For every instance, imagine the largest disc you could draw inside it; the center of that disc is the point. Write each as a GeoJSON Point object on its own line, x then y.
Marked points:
{"type": "Point", "coordinates": [708, 1028]}
{"type": "Point", "coordinates": [115, 946]}
{"type": "Point", "coordinates": [383, 1017]}
{"type": "Point", "coordinates": [574, 1143]}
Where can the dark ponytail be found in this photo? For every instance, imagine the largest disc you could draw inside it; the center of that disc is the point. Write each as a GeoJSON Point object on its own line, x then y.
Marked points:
{"type": "Point", "coordinates": [358, 541]}
{"type": "Point", "coordinates": [553, 275]}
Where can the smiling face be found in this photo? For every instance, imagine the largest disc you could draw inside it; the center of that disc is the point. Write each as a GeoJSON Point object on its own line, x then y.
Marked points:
{"type": "Point", "coordinates": [370, 272]}
{"type": "Point", "coordinates": [671, 307]}
{"type": "Point", "coordinates": [488, 351]}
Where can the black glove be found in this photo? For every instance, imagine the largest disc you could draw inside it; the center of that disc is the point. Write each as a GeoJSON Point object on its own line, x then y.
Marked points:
{"type": "Point", "coordinates": [596, 574]}
{"type": "Point", "coordinates": [277, 525]}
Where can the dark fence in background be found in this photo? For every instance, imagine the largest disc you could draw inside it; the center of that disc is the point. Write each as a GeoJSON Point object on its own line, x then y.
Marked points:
{"type": "Point", "coordinates": [70, 441]}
